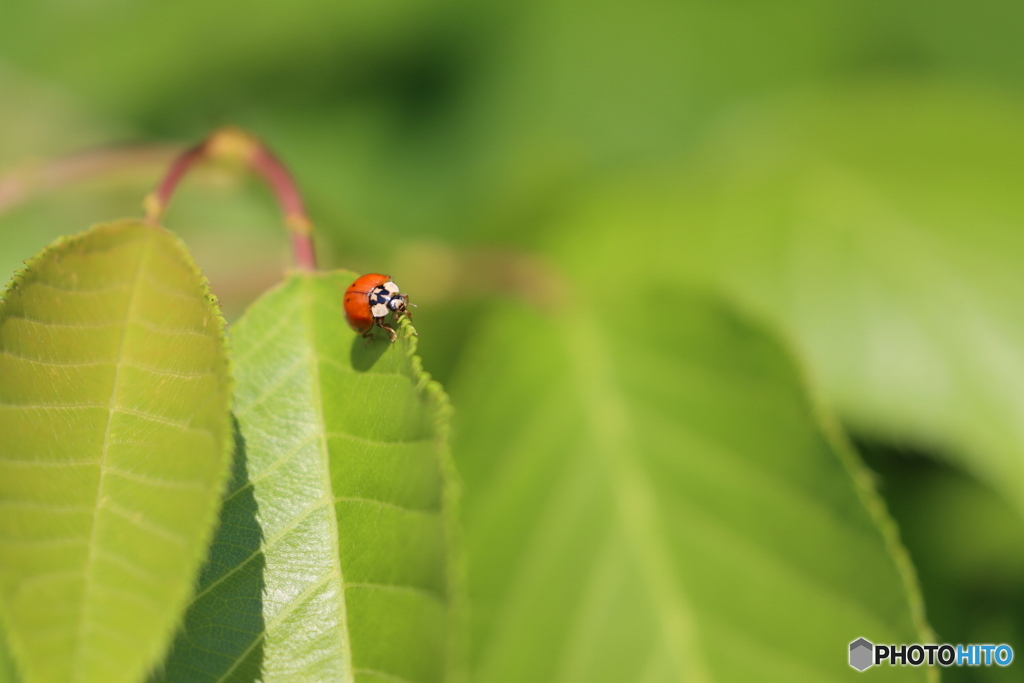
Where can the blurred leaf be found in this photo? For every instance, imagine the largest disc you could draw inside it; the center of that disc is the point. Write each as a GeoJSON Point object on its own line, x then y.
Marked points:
{"type": "Point", "coordinates": [332, 560]}
{"type": "Point", "coordinates": [879, 226]}
{"type": "Point", "coordinates": [40, 37]}
{"type": "Point", "coordinates": [660, 502]}
{"type": "Point", "coordinates": [414, 115]}
{"type": "Point", "coordinates": [39, 119]}
{"type": "Point", "coordinates": [39, 123]}
{"type": "Point", "coordinates": [576, 90]}
{"type": "Point", "coordinates": [967, 544]}
{"type": "Point", "coordinates": [114, 411]}
{"type": "Point", "coordinates": [8, 674]}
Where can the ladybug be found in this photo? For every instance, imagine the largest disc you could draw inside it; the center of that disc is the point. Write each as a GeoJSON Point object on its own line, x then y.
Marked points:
{"type": "Point", "coordinates": [368, 301]}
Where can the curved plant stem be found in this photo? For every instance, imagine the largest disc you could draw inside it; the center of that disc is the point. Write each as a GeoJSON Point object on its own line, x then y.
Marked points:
{"type": "Point", "coordinates": [237, 145]}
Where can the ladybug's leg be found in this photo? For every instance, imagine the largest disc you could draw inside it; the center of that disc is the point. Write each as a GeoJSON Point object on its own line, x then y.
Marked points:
{"type": "Point", "coordinates": [380, 323]}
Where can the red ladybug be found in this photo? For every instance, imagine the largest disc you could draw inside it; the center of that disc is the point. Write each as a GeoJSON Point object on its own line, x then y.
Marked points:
{"type": "Point", "coordinates": [368, 301]}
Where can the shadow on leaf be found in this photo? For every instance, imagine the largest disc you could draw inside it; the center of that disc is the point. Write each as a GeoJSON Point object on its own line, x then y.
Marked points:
{"type": "Point", "coordinates": [366, 352]}
{"type": "Point", "coordinates": [222, 635]}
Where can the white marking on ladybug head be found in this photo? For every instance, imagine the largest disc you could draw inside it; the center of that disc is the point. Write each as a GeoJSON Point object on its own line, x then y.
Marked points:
{"type": "Point", "coordinates": [391, 287]}
{"type": "Point", "coordinates": [379, 310]}
{"type": "Point", "coordinates": [397, 303]}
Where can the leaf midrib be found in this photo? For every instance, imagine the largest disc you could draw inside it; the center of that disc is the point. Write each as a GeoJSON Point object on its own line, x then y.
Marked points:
{"type": "Point", "coordinates": [608, 423]}
{"type": "Point", "coordinates": [325, 470]}
{"type": "Point", "coordinates": [89, 587]}
{"type": "Point", "coordinates": [308, 357]}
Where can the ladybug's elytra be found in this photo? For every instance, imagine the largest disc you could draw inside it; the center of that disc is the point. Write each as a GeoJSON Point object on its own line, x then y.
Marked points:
{"type": "Point", "coordinates": [368, 301]}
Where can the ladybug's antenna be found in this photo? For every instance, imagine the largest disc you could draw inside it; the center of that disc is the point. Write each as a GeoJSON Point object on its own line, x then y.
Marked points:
{"type": "Point", "coordinates": [235, 144]}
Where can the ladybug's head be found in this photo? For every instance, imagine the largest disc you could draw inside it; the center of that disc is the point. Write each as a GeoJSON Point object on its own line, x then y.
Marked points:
{"type": "Point", "coordinates": [399, 305]}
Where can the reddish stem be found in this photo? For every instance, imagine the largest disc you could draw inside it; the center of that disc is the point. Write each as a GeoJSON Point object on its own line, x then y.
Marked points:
{"type": "Point", "coordinates": [231, 143]}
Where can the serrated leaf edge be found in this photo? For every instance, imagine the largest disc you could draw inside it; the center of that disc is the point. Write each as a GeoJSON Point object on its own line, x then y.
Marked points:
{"type": "Point", "coordinates": [864, 483]}
{"type": "Point", "coordinates": [62, 245]}
{"type": "Point", "coordinates": [451, 501]}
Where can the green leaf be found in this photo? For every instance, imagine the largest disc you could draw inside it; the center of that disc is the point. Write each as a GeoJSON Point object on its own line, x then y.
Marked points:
{"type": "Point", "coordinates": [332, 561]}
{"type": "Point", "coordinates": [662, 503]}
{"type": "Point", "coordinates": [879, 226]}
{"type": "Point", "coordinates": [114, 393]}
{"type": "Point", "coordinates": [967, 543]}
{"type": "Point", "coordinates": [8, 674]}
{"type": "Point", "coordinates": [270, 32]}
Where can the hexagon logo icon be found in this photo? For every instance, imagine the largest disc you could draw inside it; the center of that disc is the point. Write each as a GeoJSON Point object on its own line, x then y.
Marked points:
{"type": "Point", "coordinates": [861, 652]}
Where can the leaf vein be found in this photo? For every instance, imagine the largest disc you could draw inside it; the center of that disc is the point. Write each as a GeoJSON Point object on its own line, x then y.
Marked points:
{"type": "Point", "coordinates": [166, 372]}
{"type": "Point", "coordinates": [273, 467]}
{"type": "Point", "coordinates": [58, 364]}
{"type": "Point", "coordinates": [128, 565]}
{"type": "Point", "coordinates": [285, 375]}
{"type": "Point", "coordinates": [43, 406]}
{"type": "Point", "coordinates": [154, 481]}
{"type": "Point", "coordinates": [162, 329]}
{"type": "Point", "coordinates": [256, 346]}
{"type": "Point", "coordinates": [267, 544]}
{"type": "Point", "coordinates": [161, 419]}
{"type": "Point", "coordinates": [64, 540]}
{"type": "Point", "coordinates": [38, 505]}
{"type": "Point", "coordinates": [278, 618]}
{"type": "Point", "coordinates": [84, 614]}
{"type": "Point", "coordinates": [82, 290]}
{"type": "Point", "coordinates": [382, 674]}
{"type": "Point", "coordinates": [137, 520]}
{"type": "Point", "coordinates": [400, 587]}
{"type": "Point", "coordinates": [386, 504]}
{"type": "Point", "coordinates": [75, 326]}
{"type": "Point", "coordinates": [49, 463]}
{"type": "Point", "coordinates": [170, 291]}
{"type": "Point", "coordinates": [139, 599]}
{"type": "Point", "coordinates": [375, 442]}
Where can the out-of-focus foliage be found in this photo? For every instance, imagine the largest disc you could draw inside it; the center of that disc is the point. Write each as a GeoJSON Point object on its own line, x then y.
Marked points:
{"type": "Point", "coordinates": [664, 508]}
{"type": "Point", "coordinates": [880, 226]}
{"type": "Point", "coordinates": [7, 671]}
{"type": "Point", "coordinates": [848, 171]}
{"type": "Point", "coordinates": [427, 117]}
{"type": "Point", "coordinates": [967, 544]}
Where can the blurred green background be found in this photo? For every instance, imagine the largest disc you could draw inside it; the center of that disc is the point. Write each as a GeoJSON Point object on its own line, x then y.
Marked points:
{"type": "Point", "coordinates": [850, 171]}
